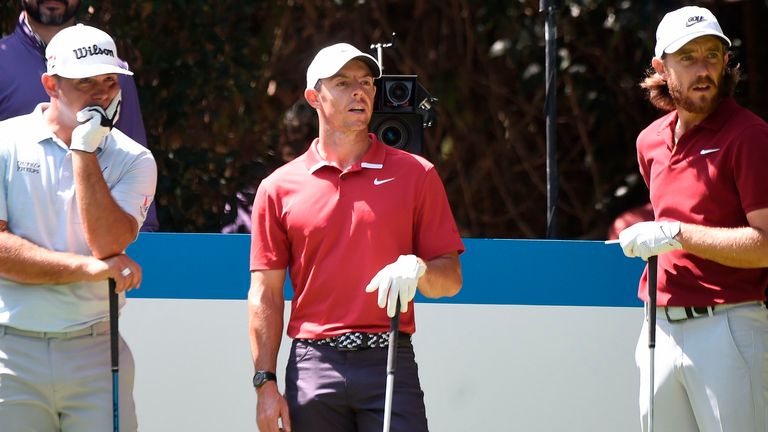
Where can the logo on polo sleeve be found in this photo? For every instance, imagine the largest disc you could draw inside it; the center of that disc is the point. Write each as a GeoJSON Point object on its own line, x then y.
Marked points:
{"type": "Point", "coordinates": [144, 208]}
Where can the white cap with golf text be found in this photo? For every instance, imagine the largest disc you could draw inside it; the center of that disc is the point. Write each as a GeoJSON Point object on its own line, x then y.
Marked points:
{"type": "Point", "coordinates": [681, 26]}
{"type": "Point", "coordinates": [81, 52]}
{"type": "Point", "coordinates": [330, 59]}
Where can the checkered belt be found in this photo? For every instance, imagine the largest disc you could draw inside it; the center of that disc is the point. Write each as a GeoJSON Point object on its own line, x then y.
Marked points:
{"type": "Point", "coordinates": [684, 313]}
{"type": "Point", "coordinates": [355, 341]}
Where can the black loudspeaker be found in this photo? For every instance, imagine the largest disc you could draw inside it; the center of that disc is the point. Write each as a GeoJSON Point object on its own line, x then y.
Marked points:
{"type": "Point", "coordinates": [396, 120]}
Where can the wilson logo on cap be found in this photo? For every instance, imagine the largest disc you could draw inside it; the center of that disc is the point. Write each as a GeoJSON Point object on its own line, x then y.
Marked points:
{"type": "Point", "coordinates": [81, 53]}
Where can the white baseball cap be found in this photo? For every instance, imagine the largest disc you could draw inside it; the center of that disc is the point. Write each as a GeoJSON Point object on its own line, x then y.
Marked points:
{"type": "Point", "coordinates": [681, 26]}
{"type": "Point", "coordinates": [330, 59]}
{"type": "Point", "coordinates": [81, 51]}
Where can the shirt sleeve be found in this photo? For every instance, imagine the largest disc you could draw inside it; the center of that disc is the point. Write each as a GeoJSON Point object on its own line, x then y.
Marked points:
{"type": "Point", "coordinates": [750, 160]}
{"type": "Point", "coordinates": [436, 233]}
{"type": "Point", "coordinates": [136, 189]}
{"type": "Point", "coordinates": [270, 248]}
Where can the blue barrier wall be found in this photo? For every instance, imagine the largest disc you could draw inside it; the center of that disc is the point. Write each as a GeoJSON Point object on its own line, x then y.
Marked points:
{"type": "Point", "coordinates": [503, 272]}
{"type": "Point", "coordinates": [536, 322]}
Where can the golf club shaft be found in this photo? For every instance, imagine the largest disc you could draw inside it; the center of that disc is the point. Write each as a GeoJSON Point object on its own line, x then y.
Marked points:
{"type": "Point", "coordinates": [652, 272]}
{"type": "Point", "coordinates": [391, 364]}
{"type": "Point", "coordinates": [115, 353]}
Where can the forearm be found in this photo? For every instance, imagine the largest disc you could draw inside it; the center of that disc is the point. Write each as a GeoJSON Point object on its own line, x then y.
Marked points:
{"type": "Point", "coordinates": [266, 327]}
{"type": "Point", "coordinates": [24, 262]}
{"type": "Point", "coordinates": [108, 229]}
{"type": "Point", "coordinates": [745, 247]}
{"type": "Point", "coordinates": [442, 278]}
{"type": "Point", "coordinates": [265, 321]}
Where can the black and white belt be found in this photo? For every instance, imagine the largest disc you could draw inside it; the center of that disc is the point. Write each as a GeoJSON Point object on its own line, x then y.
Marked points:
{"type": "Point", "coordinates": [356, 341]}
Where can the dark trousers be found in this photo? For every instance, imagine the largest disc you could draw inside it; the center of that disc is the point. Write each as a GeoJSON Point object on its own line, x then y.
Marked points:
{"type": "Point", "coordinates": [344, 391]}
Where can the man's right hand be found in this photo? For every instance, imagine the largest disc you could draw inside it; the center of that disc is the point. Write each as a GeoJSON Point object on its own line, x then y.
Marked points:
{"type": "Point", "coordinates": [95, 124]}
{"type": "Point", "coordinates": [270, 408]}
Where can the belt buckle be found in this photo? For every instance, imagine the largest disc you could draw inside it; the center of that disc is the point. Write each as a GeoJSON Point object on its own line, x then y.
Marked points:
{"type": "Point", "coordinates": [673, 320]}
{"type": "Point", "coordinates": [707, 311]}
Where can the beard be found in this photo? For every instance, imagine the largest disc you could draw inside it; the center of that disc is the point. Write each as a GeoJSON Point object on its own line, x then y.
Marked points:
{"type": "Point", "coordinates": [32, 8]}
{"type": "Point", "coordinates": [698, 104]}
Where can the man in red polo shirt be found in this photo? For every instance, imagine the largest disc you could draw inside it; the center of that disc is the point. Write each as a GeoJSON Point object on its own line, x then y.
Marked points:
{"type": "Point", "coordinates": [349, 217]}
{"type": "Point", "coordinates": [706, 165]}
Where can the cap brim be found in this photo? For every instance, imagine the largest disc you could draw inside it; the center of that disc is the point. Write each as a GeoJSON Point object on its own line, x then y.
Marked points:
{"type": "Point", "coordinates": [373, 65]}
{"type": "Point", "coordinates": [91, 71]}
{"type": "Point", "coordinates": [333, 69]}
{"type": "Point", "coordinates": [676, 45]}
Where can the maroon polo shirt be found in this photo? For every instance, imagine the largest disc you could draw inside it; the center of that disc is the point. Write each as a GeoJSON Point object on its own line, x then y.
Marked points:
{"type": "Point", "coordinates": [336, 229]}
{"type": "Point", "coordinates": [716, 175]}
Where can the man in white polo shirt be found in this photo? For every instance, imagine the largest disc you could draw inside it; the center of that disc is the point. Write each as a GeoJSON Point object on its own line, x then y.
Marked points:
{"type": "Point", "coordinates": [74, 193]}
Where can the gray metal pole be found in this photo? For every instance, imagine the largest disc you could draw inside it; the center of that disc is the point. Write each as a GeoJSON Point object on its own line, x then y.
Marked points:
{"type": "Point", "coordinates": [550, 29]}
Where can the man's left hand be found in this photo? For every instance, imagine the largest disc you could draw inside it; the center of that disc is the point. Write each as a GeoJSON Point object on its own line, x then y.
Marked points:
{"type": "Point", "coordinates": [398, 279]}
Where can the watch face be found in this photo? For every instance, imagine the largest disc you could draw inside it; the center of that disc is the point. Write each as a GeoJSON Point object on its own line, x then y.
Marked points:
{"type": "Point", "coordinates": [259, 379]}
{"type": "Point", "coordinates": [262, 377]}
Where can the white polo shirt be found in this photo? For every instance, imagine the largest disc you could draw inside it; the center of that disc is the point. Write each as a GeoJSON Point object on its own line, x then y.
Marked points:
{"type": "Point", "coordinates": [38, 201]}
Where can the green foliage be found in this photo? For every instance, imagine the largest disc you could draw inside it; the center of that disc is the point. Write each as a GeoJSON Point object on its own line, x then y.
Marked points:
{"type": "Point", "coordinates": [221, 84]}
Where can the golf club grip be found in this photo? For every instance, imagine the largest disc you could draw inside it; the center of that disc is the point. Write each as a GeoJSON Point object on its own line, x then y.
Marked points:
{"type": "Point", "coordinates": [652, 287]}
{"type": "Point", "coordinates": [394, 327]}
{"type": "Point", "coordinates": [113, 329]}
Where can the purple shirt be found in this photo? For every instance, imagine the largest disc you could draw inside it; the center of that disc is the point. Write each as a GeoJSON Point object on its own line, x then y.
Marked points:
{"type": "Point", "coordinates": [22, 62]}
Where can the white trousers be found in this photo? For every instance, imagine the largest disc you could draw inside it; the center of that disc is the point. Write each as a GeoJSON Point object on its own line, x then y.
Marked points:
{"type": "Point", "coordinates": [711, 373]}
{"type": "Point", "coordinates": [52, 385]}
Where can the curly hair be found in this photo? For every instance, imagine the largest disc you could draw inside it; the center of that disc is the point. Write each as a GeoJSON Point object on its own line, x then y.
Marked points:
{"type": "Point", "coordinates": [660, 97]}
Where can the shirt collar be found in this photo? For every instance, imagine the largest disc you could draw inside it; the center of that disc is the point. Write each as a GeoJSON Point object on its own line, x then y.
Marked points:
{"type": "Point", "coordinates": [30, 34]}
{"type": "Point", "coordinates": [717, 119]}
{"type": "Point", "coordinates": [714, 121]}
{"type": "Point", "coordinates": [372, 159]}
{"type": "Point", "coordinates": [40, 132]}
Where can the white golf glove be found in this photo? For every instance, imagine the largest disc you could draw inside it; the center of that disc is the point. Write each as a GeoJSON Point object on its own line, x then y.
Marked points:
{"type": "Point", "coordinates": [647, 239]}
{"type": "Point", "coordinates": [95, 125]}
{"type": "Point", "coordinates": [397, 279]}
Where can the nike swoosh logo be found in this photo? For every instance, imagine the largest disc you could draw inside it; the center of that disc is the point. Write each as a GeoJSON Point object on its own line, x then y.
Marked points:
{"type": "Point", "coordinates": [708, 151]}
{"type": "Point", "coordinates": [377, 182]}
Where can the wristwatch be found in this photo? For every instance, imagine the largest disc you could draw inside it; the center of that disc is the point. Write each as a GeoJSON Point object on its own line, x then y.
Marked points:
{"type": "Point", "coordinates": [261, 377]}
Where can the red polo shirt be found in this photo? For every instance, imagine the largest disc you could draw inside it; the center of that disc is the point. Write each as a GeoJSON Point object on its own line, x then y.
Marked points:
{"type": "Point", "coordinates": [717, 174]}
{"type": "Point", "coordinates": [336, 229]}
